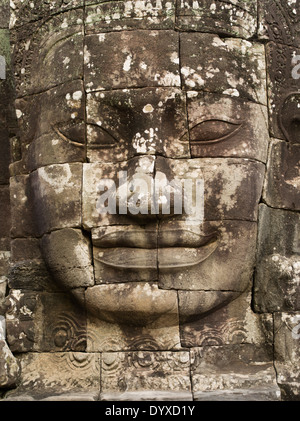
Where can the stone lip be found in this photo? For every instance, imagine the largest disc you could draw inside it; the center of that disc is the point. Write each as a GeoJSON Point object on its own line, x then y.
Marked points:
{"type": "Point", "coordinates": [164, 258]}
{"type": "Point", "coordinates": [148, 238]}
{"type": "Point", "coordinates": [135, 248]}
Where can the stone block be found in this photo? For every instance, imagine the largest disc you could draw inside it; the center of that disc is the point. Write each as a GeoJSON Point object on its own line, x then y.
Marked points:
{"type": "Point", "coordinates": [3, 290]}
{"type": "Point", "coordinates": [4, 262]}
{"type": "Point", "coordinates": [54, 396]}
{"type": "Point", "coordinates": [269, 393]}
{"type": "Point", "coordinates": [231, 19]}
{"type": "Point", "coordinates": [6, 80]}
{"type": "Point", "coordinates": [68, 255]}
{"type": "Point", "coordinates": [63, 324]}
{"type": "Point", "coordinates": [160, 375]}
{"type": "Point", "coordinates": [140, 59]}
{"type": "Point", "coordinates": [140, 265]}
{"type": "Point", "coordinates": [93, 173]}
{"type": "Point", "coordinates": [9, 367]}
{"type": "Point", "coordinates": [206, 60]}
{"type": "Point", "coordinates": [223, 126]}
{"type": "Point", "coordinates": [23, 249]}
{"type": "Point", "coordinates": [289, 114]}
{"type": "Point", "coordinates": [241, 371]}
{"type": "Point", "coordinates": [44, 322]}
{"type": "Point", "coordinates": [227, 183]}
{"type": "Point", "coordinates": [73, 397]}
{"type": "Point", "coordinates": [205, 267]}
{"type": "Point", "coordinates": [128, 15]}
{"type": "Point", "coordinates": [48, 374]}
{"type": "Point", "coordinates": [57, 197]}
{"type": "Point", "coordinates": [125, 247]}
{"type": "Point", "coordinates": [126, 235]}
{"type": "Point", "coordinates": [21, 207]}
{"type": "Point", "coordinates": [5, 215]}
{"type": "Point", "coordinates": [197, 304]}
{"type": "Point", "coordinates": [31, 275]}
{"type": "Point", "coordinates": [286, 348]}
{"type": "Point", "coordinates": [5, 156]}
{"type": "Point", "coordinates": [20, 320]}
{"type": "Point", "coordinates": [276, 286]}
{"type": "Point", "coordinates": [60, 59]}
{"type": "Point", "coordinates": [286, 338]}
{"type": "Point", "coordinates": [159, 335]}
{"type": "Point", "coordinates": [233, 324]}
{"type": "Point", "coordinates": [282, 182]}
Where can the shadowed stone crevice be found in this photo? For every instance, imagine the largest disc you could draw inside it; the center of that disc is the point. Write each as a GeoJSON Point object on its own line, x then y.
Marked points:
{"type": "Point", "coordinates": [166, 304]}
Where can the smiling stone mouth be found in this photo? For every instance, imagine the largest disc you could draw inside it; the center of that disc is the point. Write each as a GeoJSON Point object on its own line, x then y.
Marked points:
{"type": "Point", "coordinates": [137, 250]}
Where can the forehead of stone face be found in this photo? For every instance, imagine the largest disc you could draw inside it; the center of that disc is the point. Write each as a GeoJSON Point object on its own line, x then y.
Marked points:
{"type": "Point", "coordinates": [133, 55]}
{"type": "Point", "coordinates": [68, 48]}
{"type": "Point", "coordinates": [229, 66]}
{"type": "Point", "coordinates": [129, 59]}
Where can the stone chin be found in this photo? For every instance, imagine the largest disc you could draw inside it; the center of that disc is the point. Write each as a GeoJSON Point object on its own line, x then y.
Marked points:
{"type": "Point", "coordinates": [142, 294]}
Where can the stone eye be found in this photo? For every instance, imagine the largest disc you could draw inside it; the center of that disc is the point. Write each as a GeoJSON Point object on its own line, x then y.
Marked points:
{"type": "Point", "coordinates": [98, 137]}
{"type": "Point", "coordinates": [213, 130]}
{"type": "Point", "coordinates": [72, 132]}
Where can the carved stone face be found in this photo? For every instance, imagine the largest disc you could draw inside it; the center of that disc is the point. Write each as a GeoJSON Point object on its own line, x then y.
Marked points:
{"type": "Point", "coordinates": [148, 102]}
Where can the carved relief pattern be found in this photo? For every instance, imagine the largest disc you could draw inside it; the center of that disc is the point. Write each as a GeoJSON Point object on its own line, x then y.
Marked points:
{"type": "Point", "coordinates": [281, 22]}
{"type": "Point", "coordinates": [140, 371]}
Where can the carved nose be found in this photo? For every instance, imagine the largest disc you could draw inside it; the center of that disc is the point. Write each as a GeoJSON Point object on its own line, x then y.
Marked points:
{"type": "Point", "coordinates": [134, 192]}
{"type": "Point", "coordinates": [144, 193]}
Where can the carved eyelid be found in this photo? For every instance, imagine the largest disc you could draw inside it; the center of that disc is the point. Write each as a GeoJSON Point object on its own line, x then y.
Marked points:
{"type": "Point", "coordinates": [236, 125]}
{"type": "Point", "coordinates": [107, 133]}
{"type": "Point", "coordinates": [58, 130]}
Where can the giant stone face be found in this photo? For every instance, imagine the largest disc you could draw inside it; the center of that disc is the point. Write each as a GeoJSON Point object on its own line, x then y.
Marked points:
{"type": "Point", "coordinates": [150, 103]}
